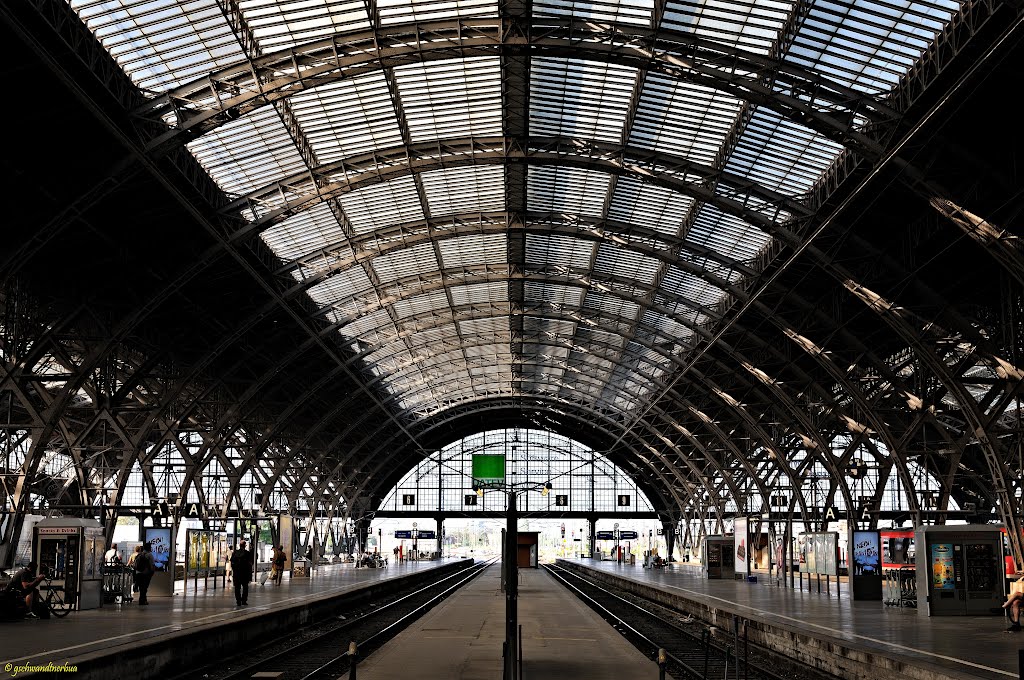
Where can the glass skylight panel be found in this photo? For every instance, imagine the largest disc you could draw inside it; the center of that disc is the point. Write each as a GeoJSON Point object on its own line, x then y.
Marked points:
{"type": "Point", "coordinates": [612, 305]}
{"type": "Point", "coordinates": [729, 235]}
{"type": "Point", "coordinates": [558, 252]}
{"type": "Point", "coordinates": [618, 11]}
{"type": "Point", "coordinates": [782, 155]}
{"type": "Point", "coordinates": [375, 327]}
{"type": "Point", "coordinates": [390, 358]}
{"type": "Point", "coordinates": [349, 291]}
{"type": "Point", "coordinates": [161, 44]}
{"type": "Point", "coordinates": [494, 329]}
{"type": "Point", "coordinates": [451, 99]}
{"type": "Point", "coordinates": [304, 233]}
{"type": "Point", "coordinates": [684, 119]}
{"type": "Point", "coordinates": [543, 325]}
{"type": "Point", "coordinates": [650, 206]}
{"type": "Point", "coordinates": [418, 259]}
{"type": "Point", "coordinates": [419, 304]}
{"type": "Point", "coordinates": [279, 24]}
{"type": "Point", "coordinates": [405, 11]}
{"type": "Point", "coordinates": [480, 293]}
{"type": "Point", "coordinates": [624, 263]}
{"type": "Point", "coordinates": [350, 117]}
{"type": "Point", "coordinates": [753, 25]}
{"type": "Point", "coordinates": [248, 153]}
{"type": "Point", "coordinates": [572, 191]}
{"type": "Point", "coordinates": [868, 45]}
{"type": "Point", "coordinates": [473, 250]}
{"type": "Point", "coordinates": [379, 205]}
{"type": "Point", "coordinates": [553, 293]}
{"type": "Point", "coordinates": [688, 286]}
{"type": "Point", "coordinates": [579, 99]}
{"type": "Point", "coordinates": [476, 188]}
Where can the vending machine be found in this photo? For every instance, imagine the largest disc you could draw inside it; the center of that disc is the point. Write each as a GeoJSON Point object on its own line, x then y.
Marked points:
{"type": "Point", "coordinates": [960, 569]}
{"type": "Point", "coordinates": [718, 561]}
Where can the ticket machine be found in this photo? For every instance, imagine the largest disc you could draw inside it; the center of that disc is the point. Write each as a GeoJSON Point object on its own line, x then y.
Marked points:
{"type": "Point", "coordinates": [70, 549]}
{"type": "Point", "coordinates": [960, 568]}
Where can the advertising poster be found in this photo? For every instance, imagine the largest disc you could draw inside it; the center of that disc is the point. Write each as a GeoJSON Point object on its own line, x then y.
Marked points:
{"type": "Point", "coordinates": [89, 558]}
{"type": "Point", "coordinates": [192, 550]}
{"type": "Point", "coordinates": [160, 540]}
{"type": "Point", "coordinates": [286, 532]}
{"type": "Point", "coordinates": [810, 556]}
{"type": "Point", "coordinates": [830, 552]}
{"type": "Point", "coordinates": [942, 567]}
{"type": "Point", "coordinates": [866, 553]}
{"type": "Point", "coordinates": [205, 542]}
{"type": "Point", "coordinates": [740, 539]}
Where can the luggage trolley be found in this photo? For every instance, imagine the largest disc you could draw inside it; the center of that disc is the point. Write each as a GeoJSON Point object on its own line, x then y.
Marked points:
{"type": "Point", "coordinates": [117, 583]}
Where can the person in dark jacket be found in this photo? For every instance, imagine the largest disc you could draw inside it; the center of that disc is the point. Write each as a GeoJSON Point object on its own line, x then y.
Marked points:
{"type": "Point", "coordinates": [145, 567]}
{"type": "Point", "coordinates": [241, 571]}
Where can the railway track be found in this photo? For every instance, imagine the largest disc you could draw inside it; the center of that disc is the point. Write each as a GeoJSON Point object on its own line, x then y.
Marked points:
{"type": "Point", "coordinates": [325, 651]}
{"type": "Point", "coordinates": [691, 655]}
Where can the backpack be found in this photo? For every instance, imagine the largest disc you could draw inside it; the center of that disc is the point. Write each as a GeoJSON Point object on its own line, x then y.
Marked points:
{"type": "Point", "coordinates": [144, 563]}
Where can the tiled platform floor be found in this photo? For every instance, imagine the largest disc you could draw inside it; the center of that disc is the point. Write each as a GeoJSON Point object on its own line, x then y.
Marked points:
{"type": "Point", "coordinates": [966, 646]}
{"type": "Point", "coordinates": [461, 638]}
{"type": "Point", "coordinates": [113, 626]}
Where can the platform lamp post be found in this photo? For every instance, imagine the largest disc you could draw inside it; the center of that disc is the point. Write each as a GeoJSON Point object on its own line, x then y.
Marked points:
{"type": "Point", "coordinates": [510, 556]}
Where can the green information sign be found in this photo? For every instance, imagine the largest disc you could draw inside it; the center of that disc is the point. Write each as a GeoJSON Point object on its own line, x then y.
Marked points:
{"type": "Point", "coordinates": [488, 468]}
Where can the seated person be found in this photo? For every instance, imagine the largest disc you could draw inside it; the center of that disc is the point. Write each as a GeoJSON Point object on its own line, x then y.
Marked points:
{"type": "Point", "coordinates": [25, 583]}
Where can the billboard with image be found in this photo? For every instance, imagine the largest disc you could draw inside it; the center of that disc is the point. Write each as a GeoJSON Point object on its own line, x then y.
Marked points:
{"type": "Point", "coordinates": [160, 540]}
{"type": "Point", "coordinates": [741, 545]}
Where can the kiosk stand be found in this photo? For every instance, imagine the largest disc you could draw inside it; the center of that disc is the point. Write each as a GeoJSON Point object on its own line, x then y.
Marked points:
{"type": "Point", "coordinates": [71, 550]}
{"type": "Point", "coordinates": [959, 569]}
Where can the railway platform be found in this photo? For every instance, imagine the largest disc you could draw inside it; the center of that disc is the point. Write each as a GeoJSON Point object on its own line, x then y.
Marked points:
{"type": "Point", "coordinates": [461, 639]}
{"type": "Point", "coordinates": [851, 639]}
{"type": "Point", "coordinates": [131, 641]}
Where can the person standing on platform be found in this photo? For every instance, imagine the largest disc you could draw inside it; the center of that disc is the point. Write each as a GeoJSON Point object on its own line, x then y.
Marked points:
{"type": "Point", "coordinates": [131, 566]}
{"type": "Point", "coordinates": [145, 567]}
{"type": "Point", "coordinates": [241, 571]}
{"type": "Point", "coordinates": [279, 560]}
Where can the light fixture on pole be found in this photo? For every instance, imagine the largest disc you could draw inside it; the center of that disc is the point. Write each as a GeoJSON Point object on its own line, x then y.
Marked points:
{"type": "Point", "coordinates": [511, 567]}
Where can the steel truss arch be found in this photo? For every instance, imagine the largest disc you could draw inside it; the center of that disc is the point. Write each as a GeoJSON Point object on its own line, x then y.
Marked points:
{"type": "Point", "coordinates": [838, 112]}
{"type": "Point", "coordinates": [635, 237]}
{"type": "Point", "coordinates": [560, 407]}
{"type": "Point", "coordinates": [735, 196]}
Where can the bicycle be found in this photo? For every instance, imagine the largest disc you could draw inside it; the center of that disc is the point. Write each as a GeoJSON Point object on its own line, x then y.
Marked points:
{"type": "Point", "coordinates": [55, 601]}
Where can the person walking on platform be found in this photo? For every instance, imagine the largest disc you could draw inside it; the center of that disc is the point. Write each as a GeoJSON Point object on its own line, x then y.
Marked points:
{"type": "Point", "coordinates": [241, 571]}
{"type": "Point", "coordinates": [145, 567]}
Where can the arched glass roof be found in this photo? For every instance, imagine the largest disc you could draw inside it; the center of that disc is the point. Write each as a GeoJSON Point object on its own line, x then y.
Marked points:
{"type": "Point", "coordinates": [583, 478]}
{"type": "Point", "coordinates": [540, 198]}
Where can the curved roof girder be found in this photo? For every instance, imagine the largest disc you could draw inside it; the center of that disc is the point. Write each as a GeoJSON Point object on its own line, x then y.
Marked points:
{"type": "Point", "coordinates": [899, 320]}
{"type": "Point", "coordinates": [372, 244]}
{"type": "Point", "coordinates": [621, 287]}
{"type": "Point", "coordinates": [559, 407]}
{"type": "Point", "coordinates": [664, 416]}
{"type": "Point", "coordinates": [440, 227]}
{"type": "Point", "coordinates": [795, 93]}
{"type": "Point", "coordinates": [747, 201]}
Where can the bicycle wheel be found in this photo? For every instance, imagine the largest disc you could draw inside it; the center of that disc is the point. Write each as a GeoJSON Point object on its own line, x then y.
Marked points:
{"type": "Point", "coordinates": [55, 601]}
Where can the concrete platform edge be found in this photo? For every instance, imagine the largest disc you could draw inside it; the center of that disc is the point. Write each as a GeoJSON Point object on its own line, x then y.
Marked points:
{"type": "Point", "coordinates": [162, 654]}
{"type": "Point", "coordinates": [826, 653]}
